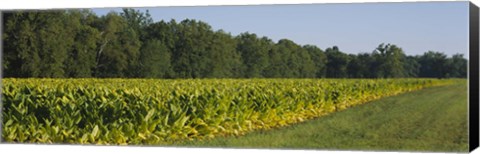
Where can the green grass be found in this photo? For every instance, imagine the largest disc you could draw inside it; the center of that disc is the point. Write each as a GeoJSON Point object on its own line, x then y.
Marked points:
{"type": "Point", "coordinates": [432, 119]}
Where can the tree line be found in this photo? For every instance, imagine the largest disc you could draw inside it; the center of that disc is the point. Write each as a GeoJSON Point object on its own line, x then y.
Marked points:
{"type": "Point", "coordinates": [80, 44]}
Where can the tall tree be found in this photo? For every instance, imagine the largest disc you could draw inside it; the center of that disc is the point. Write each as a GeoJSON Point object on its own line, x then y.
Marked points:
{"type": "Point", "coordinates": [55, 41]}
{"type": "Point", "coordinates": [78, 43]}
{"type": "Point", "coordinates": [290, 58]}
{"type": "Point", "coordinates": [277, 65]}
{"type": "Point", "coordinates": [154, 60]}
{"type": "Point", "coordinates": [366, 62]}
{"type": "Point", "coordinates": [355, 67]}
{"type": "Point", "coordinates": [164, 32]}
{"type": "Point", "coordinates": [254, 52]}
{"type": "Point", "coordinates": [456, 66]}
{"type": "Point", "coordinates": [411, 66]}
{"type": "Point", "coordinates": [337, 63]}
{"type": "Point", "coordinates": [225, 61]}
{"type": "Point", "coordinates": [189, 56]}
{"type": "Point", "coordinates": [81, 56]}
{"type": "Point", "coordinates": [21, 56]}
{"type": "Point", "coordinates": [39, 43]}
{"type": "Point", "coordinates": [138, 21]}
{"type": "Point", "coordinates": [432, 64]}
{"type": "Point", "coordinates": [319, 59]}
{"type": "Point", "coordinates": [299, 63]}
{"type": "Point", "coordinates": [119, 48]}
{"type": "Point", "coordinates": [389, 60]}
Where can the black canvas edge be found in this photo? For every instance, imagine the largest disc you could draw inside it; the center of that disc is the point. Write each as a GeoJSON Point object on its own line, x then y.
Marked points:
{"type": "Point", "coordinates": [1, 74]}
{"type": "Point", "coordinates": [473, 70]}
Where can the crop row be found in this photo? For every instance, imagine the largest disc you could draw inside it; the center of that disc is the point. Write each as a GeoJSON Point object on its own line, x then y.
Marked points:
{"type": "Point", "coordinates": [151, 111]}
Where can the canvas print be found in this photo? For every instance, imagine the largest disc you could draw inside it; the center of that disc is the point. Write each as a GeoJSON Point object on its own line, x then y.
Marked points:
{"type": "Point", "coordinates": [366, 76]}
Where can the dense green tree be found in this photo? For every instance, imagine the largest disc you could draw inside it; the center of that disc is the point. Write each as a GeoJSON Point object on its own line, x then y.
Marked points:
{"type": "Point", "coordinates": [119, 48]}
{"type": "Point", "coordinates": [307, 65]}
{"type": "Point", "coordinates": [154, 60]}
{"type": "Point", "coordinates": [319, 59]}
{"type": "Point", "coordinates": [411, 66]}
{"type": "Point", "coordinates": [432, 64]}
{"type": "Point", "coordinates": [295, 61]}
{"type": "Point", "coordinates": [337, 63]}
{"type": "Point", "coordinates": [254, 52]}
{"type": "Point", "coordinates": [163, 31]}
{"type": "Point", "coordinates": [359, 66]}
{"type": "Point", "coordinates": [389, 61]}
{"type": "Point", "coordinates": [224, 59]}
{"type": "Point", "coordinates": [81, 56]}
{"type": "Point", "coordinates": [55, 40]}
{"type": "Point", "coordinates": [78, 43]}
{"type": "Point", "coordinates": [277, 65]}
{"type": "Point", "coordinates": [366, 61]}
{"type": "Point", "coordinates": [191, 48]}
{"type": "Point", "coordinates": [459, 66]}
{"type": "Point", "coordinates": [21, 48]}
{"type": "Point", "coordinates": [40, 43]}
{"type": "Point", "coordinates": [289, 60]}
{"type": "Point", "coordinates": [137, 20]}
{"type": "Point", "coordinates": [289, 57]}
{"type": "Point", "coordinates": [456, 66]}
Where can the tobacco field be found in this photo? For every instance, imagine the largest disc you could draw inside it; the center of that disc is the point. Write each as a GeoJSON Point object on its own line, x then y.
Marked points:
{"type": "Point", "coordinates": [162, 111]}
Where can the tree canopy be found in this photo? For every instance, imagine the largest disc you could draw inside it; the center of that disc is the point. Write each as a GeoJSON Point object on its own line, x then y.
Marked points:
{"type": "Point", "coordinates": [129, 44]}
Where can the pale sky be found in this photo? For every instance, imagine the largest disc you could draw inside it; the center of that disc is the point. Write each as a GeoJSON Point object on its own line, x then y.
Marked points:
{"type": "Point", "coordinates": [357, 27]}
